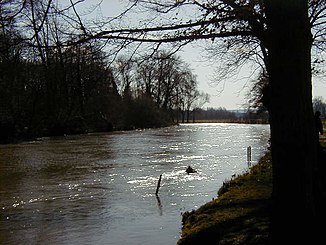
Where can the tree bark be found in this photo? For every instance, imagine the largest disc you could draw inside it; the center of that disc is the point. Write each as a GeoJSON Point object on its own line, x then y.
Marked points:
{"type": "Point", "coordinates": [294, 152]}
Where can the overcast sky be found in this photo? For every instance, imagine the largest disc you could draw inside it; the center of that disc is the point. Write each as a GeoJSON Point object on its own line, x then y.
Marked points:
{"type": "Point", "coordinates": [230, 94]}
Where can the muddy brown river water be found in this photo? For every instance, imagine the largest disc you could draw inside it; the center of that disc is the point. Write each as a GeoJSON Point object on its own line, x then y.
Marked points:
{"type": "Point", "coordinates": [100, 188]}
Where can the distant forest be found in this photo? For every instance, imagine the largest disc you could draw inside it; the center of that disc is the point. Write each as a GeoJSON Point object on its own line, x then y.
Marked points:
{"type": "Point", "coordinates": [221, 114]}
{"type": "Point", "coordinates": [67, 90]}
{"type": "Point", "coordinates": [59, 90]}
{"type": "Point", "coordinates": [49, 88]}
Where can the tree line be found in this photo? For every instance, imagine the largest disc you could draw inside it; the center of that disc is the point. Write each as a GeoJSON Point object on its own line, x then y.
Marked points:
{"type": "Point", "coordinates": [280, 35]}
{"type": "Point", "coordinates": [320, 105]}
{"type": "Point", "coordinates": [48, 88]}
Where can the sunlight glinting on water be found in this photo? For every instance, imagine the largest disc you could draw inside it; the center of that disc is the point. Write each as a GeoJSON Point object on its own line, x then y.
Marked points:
{"type": "Point", "coordinates": [100, 189]}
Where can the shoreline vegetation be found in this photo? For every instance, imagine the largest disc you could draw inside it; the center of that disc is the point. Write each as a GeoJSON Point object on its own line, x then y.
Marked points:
{"type": "Point", "coordinates": [240, 213]}
{"type": "Point", "coordinates": [86, 129]}
{"type": "Point", "coordinates": [240, 120]}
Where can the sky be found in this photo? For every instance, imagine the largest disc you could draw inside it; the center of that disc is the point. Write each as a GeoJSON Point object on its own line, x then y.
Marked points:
{"type": "Point", "coordinates": [230, 94]}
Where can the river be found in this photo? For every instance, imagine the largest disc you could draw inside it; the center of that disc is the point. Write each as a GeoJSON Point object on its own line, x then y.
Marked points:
{"type": "Point", "coordinates": [99, 189]}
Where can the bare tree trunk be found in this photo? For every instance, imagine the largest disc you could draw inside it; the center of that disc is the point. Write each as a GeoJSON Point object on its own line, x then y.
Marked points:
{"type": "Point", "coordinates": [188, 115]}
{"type": "Point", "coordinates": [294, 152]}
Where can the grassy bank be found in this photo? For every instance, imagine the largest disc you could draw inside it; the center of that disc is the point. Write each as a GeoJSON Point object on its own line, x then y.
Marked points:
{"type": "Point", "coordinates": [240, 214]}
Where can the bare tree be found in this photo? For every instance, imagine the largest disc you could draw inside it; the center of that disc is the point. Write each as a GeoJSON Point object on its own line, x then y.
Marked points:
{"type": "Point", "coordinates": [125, 75]}
{"type": "Point", "coordinates": [319, 105]}
{"type": "Point", "coordinates": [278, 33]}
{"type": "Point", "coordinates": [282, 31]}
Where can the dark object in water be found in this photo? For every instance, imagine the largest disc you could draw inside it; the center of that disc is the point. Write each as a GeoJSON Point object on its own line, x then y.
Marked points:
{"type": "Point", "coordinates": [190, 170]}
{"type": "Point", "coordinates": [158, 185]}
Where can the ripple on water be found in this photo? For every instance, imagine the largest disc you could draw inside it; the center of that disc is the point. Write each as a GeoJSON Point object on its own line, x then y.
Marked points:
{"type": "Point", "coordinates": [100, 188]}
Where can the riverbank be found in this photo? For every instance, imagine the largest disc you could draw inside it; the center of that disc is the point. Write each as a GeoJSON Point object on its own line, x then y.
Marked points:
{"type": "Point", "coordinates": [240, 214]}
{"type": "Point", "coordinates": [85, 131]}
{"type": "Point", "coordinates": [237, 120]}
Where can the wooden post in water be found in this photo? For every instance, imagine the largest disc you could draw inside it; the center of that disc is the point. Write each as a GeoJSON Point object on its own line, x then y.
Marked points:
{"type": "Point", "coordinates": [249, 156]}
{"type": "Point", "coordinates": [158, 184]}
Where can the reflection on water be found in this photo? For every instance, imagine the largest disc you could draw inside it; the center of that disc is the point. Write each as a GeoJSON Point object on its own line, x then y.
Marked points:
{"type": "Point", "coordinates": [100, 188]}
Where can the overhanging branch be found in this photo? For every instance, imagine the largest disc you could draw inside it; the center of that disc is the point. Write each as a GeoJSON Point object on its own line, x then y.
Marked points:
{"type": "Point", "coordinates": [169, 39]}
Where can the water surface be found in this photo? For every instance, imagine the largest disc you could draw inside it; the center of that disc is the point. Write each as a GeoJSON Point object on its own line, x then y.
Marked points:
{"type": "Point", "coordinates": [100, 188]}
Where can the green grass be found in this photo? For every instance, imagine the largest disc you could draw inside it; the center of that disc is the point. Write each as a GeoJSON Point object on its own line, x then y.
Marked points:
{"type": "Point", "coordinates": [240, 214]}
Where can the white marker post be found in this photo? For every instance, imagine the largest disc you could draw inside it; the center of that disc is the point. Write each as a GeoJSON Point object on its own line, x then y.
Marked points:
{"type": "Point", "coordinates": [249, 156]}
